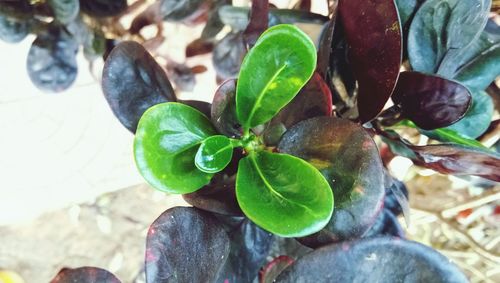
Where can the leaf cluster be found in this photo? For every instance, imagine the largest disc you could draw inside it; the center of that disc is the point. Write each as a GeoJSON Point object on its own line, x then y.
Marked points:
{"type": "Point", "coordinates": [291, 128]}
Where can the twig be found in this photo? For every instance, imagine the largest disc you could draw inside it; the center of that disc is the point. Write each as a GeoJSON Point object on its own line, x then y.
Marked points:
{"type": "Point", "coordinates": [492, 256]}
{"type": "Point", "coordinates": [485, 198]}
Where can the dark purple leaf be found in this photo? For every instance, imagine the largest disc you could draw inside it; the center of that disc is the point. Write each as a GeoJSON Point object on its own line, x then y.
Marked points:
{"type": "Point", "coordinates": [348, 158]}
{"type": "Point", "coordinates": [185, 245]}
{"type": "Point", "coordinates": [373, 260]}
{"type": "Point", "coordinates": [202, 106]}
{"type": "Point", "coordinates": [228, 55]}
{"type": "Point", "coordinates": [84, 275]}
{"type": "Point", "coordinates": [386, 224]}
{"type": "Point", "coordinates": [147, 17]}
{"type": "Point", "coordinates": [258, 21]}
{"type": "Point", "coordinates": [431, 102]}
{"type": "Point", "coordinates": [325, 49]}
{"type": "Point", "coordinates": [219, 195]}
{"type": "Point", "coordinates": [51, 62]}
{"type": "Point", "coordinates": [270, 271]}
{"type": "Point", "coordinates": [392, 200]}
{"type": "Point", "coordinates": [448, 158]}
{"type": "Point", "coordinates": [182, 76]}
{"type": "Point", "coordinates": [250, 246]}
{"type": "Point", "coordinates": [313, 100]}
{"type": "Point", "coordinates": [223, 113]}
{"type": "Point", "coordinates": [103, 8]}
{"type": "Point", "coordinates": [132, 82]}
{"type": "Point", "coordinates": [373, 32]}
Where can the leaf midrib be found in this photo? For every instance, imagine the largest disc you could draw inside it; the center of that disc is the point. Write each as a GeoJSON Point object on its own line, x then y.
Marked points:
{"type": "Point", "coordinates": [273, 191]}
{"type": "Point", "coordinates": [262, 92]}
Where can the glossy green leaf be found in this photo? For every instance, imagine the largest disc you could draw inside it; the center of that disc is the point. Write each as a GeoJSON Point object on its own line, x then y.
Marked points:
{"type": "Point", "coordinates": [166, 142]}
{"type": "Point", "coordinates": [214, 154]}
{"type": "Point", "coordinates": [442, 30]}
{"type": "Point", "coordinates": [283, 194]}
{"type": "Point", "coordinates": [276, 68]}
{"type": "Point", "coordinates": [449, 135]}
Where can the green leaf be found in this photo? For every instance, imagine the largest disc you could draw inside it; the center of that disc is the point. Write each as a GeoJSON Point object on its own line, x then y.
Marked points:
{"type": "Point", "coordinates": [475, 122]}
{"type": "Point", "coordinates": [406, 9]}
{"type": "Point", "coordinates": [480, 72]}
{"type": "Point", "coordinates": [478, 118]}
{"type": "Point", "coordinates": [449, 135]}
{"type": "Point", "coordinates": [214, 154]}
{"type": "Point", "coordinates": [165, 145]}
{"type": "Point", "coordinates": [442, 30]}
{"type": "Point", "coordinates": [272, 73]}
{"type": "Point", "coordinates": [283, 194]}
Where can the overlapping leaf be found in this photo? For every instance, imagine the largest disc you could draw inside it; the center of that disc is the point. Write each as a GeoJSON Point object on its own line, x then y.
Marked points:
{"type": "Point", "coordinates": [441, 32]}
{"type": "Point", "coordinates": [348, 158]}
{"type": "Point", "coordinates": [51, 62]}
{"type": "Point", "coordinates": [273, 72]}
{"type": "Point", "coordinates": [214, 154]}
{"type": "Point", "coordinates": [85, 275]}
{"type": "Point", "coordinates": [223, 113]}
{"type": "Point", "coordinates": [373, 33]}
{"type": "Point", "coordinates": [186, 245]}
{"type": "Point", "coordinates": [166, 142]}
{"type": "Point", "coordinates": [430, 101]}
{"type": "Point", "coordinates": [448, 158]}
{"type": "Point", "coordinates": [132, 82]}
{"type": "Point", "coordinates": [283, 194]}
{"type": "Point", "coordinates": [379, 259]}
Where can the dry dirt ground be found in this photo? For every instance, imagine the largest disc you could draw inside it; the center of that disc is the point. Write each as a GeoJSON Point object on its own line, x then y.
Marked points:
{"type": "Point", "coordinates": [108, 233]}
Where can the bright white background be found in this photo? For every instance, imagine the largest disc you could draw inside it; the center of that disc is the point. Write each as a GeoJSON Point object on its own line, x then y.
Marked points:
{"type": "Point", "coordinates": [56, 149]}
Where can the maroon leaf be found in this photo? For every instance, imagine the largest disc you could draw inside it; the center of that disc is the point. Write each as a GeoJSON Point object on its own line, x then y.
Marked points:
{"type": "Point", "coordinates": [185, 244]}
{"type": "Point", "coordinates": [348, 158]}
{"type": "Point", "coordinates": [313, 100]}
{"type": "Point", "coordinates": [228, 55]}
{"type": "Point", "coordinates": [431, 102]}
{"type": "Point", "coordinates": [250, 246]}
{"type": "Point", "coordinates": [132, 82]}
{"type": "Point", "coordinates": [373, 33]}
{"type": "Point", "coordinates": [258, 21]}
{"type": "Point", "coordinates": [448, 158]}
{"type": "Point", "coordinates": [199, 46]}
{"type": "Point", "coordinates": [148, 17]}
{"type": "Point", "coordinates": [325, 48]}
{"type": "Point", "coordinates": [223, 113]}
{"type": "Point", "coordinates": [219, 195]}
{"type": "Point", "coordinates": [202, 106]}
{"type": "Point", "coordinates": [84, 275]}
{"type": "Point", "coordinates": [270, 271]}
{"type": "Point", "coordinates": [380, 259]}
